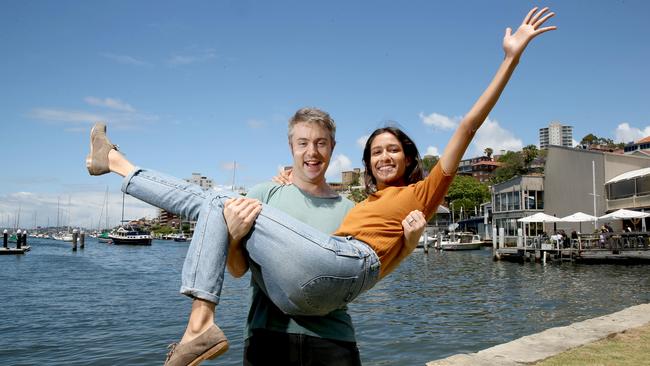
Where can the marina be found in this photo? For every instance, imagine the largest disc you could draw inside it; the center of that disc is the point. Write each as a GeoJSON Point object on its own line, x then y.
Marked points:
{"type": "Point", "coordinates": [120, 304]}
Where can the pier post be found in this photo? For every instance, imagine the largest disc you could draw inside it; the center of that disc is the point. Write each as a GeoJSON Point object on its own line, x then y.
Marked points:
{"type": "Point", "coordinates": [24, 238]}
{"type": "Point", "coordinates": [520, 239]}
{"type": "Point", "coordinates": [425, 242]}
{"type": "Point", "coordinates": [5, 239]}
{"type": "Point", "coordinates": [502, 238]}
{"type": "Point", "coordinates": [74, 240]}
{"type": "Point", "coordinates": [19, 238]}
{"type": "Point", "coordinates": [82, 237]}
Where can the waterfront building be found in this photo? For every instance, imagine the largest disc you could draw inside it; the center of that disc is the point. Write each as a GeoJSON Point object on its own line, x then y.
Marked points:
{"type": "Point", "coordinates": [555, 134]}
{"type": "Point", "coordinates": [567, 187]}
{"type": "Point", "coordinates": [518, 197]}
{"type": "Point", "coordinates": [352, 177]}
{"type": "Point", "coordinates": [641, 147]}
{"type": "Point", "coordinates": [202, 181]}
{"type": "Point", "coordinates": [481, 168]}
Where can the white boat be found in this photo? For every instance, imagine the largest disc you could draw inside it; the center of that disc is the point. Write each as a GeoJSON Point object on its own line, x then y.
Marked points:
{"type": "Point", "coordinates": [127, 235]}
{"type": "Point", "coordinates": [431, 241]}
{"type": "Point", "coordinates": [461, 241]}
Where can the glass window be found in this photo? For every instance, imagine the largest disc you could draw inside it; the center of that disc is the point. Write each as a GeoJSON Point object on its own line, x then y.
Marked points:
{"type": "Point", "coordinates": [621, 189]}
{"type": "Point", "coordinates": [643, 186]}
{"type": "Point", "coordinates": [539, 195]}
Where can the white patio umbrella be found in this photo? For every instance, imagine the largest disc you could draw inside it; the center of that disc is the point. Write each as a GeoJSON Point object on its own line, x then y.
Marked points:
{"type": "Point", "coordinates": [579, 217]}
{"type": "Point", "coordinates": [538, 217]}
{"type": "Point", "coordinates": [624, 214]}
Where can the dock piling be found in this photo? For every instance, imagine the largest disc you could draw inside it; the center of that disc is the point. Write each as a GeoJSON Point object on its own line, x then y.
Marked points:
{"type": "Point", "coordinates": [5, 239]}
{"type": "Point", "coordinates": [82, 237]}
{"type": "Point", "coordinates": [19, 238]}
{"type": "Point", "coordinates": [74, 240]}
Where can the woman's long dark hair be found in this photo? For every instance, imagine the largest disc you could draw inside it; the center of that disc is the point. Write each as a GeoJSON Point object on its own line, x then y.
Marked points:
{"type": "Point", "coordinates": [413, 172]}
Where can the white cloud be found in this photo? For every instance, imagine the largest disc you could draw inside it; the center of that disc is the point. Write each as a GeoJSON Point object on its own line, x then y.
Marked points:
{"type": "Point", "coordinates": [230, 165]}
{"type": "Point", "coordinates": [432, 150]}
{"type": "Point", "coordinates": [125, 59]}
{"type": "Point", "coordinates": [110, 103]}
{"type": "Point", "coordinates": [494, 136]}
{"type": "Point", "coordinates": [439, 121]}
{"type": "Point", "coordinates": [84, 210]}
{"type": "Point", "coordinates": [338, 164]}
{"type": "Point", "coordinates": [255, 123]}
{"type": "Point", "coordinates": [361, 141]}
{"type": "Point", "coordinates": [202, 56]}
{"type": "Point", "coordinates": [59, 115]}
{"type": "Point", "coordinates": [626, 133]}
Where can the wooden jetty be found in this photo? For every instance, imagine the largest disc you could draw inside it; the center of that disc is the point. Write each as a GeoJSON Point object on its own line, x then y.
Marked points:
{"type": "Point", "coordinates": [625, 248]}
{"type": "Point", "coordinates": [21, 243]}
{"type": "Point", "coordinates": [20, 250]}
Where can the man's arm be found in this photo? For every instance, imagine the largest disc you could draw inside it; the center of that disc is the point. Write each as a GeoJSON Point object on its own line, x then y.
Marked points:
{"type": "Point", "coordinates": [240, 214]}
{"type": "Point", "coordinates": [513, 45]}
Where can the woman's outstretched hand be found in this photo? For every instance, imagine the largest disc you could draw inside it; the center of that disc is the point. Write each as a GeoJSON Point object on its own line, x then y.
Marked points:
{"type": "Point", "coordinates": [514, 44]}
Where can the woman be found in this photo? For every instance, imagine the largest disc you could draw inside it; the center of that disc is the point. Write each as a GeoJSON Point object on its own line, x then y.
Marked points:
{"type": "Point", "coordinates": [325, 272]}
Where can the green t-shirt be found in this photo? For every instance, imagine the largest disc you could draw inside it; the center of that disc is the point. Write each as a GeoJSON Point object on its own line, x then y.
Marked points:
{"type": "Point", "coordinates": [324, 214]}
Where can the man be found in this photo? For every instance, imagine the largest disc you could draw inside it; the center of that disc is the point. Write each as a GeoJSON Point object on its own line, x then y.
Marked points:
{"type": "Point", "coordinates": [274, 338]}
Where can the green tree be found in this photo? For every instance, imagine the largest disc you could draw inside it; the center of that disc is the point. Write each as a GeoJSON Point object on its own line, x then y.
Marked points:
{"type": "Point", "coordinates": [428, 162]}
{"type": "Point", "coordinates": [488, 152]}
{"type": "Point", "coordinates": [357, 195]}
{"type": "Point", "coordinates": [512, 164]}
{"type": "Point", "coordinates": [588, 139]}
{"type": "Point", "coordinates": [467, 192]}
{"type": "Point", "coordinates": [529, 153]}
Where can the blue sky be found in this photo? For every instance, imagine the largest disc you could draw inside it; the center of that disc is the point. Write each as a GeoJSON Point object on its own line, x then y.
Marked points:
{"type": "Point", "coordinates": [193, 86]}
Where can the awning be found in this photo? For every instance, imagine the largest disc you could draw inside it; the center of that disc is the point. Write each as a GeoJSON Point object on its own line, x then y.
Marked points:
{"type": "Point", "coordinates": [630, 175]}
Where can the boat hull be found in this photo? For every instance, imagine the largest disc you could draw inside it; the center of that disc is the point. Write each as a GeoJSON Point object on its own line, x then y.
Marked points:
{"type": "Point", "coordinates": [461, 246]}
{"type": "Point", "coordinates": [130, 241]}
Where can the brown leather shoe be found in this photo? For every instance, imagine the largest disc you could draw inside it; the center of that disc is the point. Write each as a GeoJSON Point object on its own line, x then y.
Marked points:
{"type": "Point", "coordinates": [207, 346]}
{"type": "Point", "coordinates": [97, 160]}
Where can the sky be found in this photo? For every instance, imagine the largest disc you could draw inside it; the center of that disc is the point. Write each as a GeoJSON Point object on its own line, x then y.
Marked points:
{"type": "Point", "coordinates": [196, 86]}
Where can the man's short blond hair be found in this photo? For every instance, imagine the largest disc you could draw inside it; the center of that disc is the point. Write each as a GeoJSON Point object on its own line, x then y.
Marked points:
{"type": "Point", "coordinates": [313, 115]}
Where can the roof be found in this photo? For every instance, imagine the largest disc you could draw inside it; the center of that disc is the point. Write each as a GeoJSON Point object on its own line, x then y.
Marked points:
{"type": "Point", "coordinates": [645, 139]}
{"type": "Point", "coordinates": [485, 162]}
{"type": "Point", "coordinates": [630, 175]}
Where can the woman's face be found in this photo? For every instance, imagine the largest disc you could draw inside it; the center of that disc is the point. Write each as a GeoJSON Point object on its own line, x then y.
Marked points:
{"type": "Point", "coordinates": [388, 161]}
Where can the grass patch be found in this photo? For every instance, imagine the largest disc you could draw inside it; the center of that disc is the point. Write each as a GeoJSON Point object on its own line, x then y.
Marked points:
{"type": "Point", "coordinates": [629, 348]}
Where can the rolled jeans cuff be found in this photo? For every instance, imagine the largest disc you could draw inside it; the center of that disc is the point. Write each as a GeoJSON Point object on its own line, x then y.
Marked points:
{"type": "Point", "coordinates": [127, 179]}
{"type": "Point", "coordinates": [199, 294]}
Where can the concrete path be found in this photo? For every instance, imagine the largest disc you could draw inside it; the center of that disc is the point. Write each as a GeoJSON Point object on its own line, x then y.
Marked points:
{"type": "Point", "coordinates": [537, 347]}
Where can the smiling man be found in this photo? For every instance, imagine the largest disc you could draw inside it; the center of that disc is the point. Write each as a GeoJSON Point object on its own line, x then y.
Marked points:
{"type": "Point", "coordinates": [274, 338]}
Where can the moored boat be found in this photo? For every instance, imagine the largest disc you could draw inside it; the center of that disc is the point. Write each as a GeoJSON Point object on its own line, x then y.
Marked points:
{"type": "Point", "coordinates": [128, 235]}
{"type": "Point", "coordinates": [461, 241]}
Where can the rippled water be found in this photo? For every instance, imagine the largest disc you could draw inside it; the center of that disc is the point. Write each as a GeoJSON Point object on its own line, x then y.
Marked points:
{"type": "Point", "coordinates": [110, 305]}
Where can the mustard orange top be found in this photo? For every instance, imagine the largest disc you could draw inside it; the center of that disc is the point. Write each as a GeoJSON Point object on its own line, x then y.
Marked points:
{"type": "Point", "coordinates": [377, 221]}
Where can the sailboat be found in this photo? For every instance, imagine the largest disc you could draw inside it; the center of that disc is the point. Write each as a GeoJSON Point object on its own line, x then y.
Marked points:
{"type": "Point", "coordinates": [103, 237]}
{"type": "Point", "coordinates": [129, 235]}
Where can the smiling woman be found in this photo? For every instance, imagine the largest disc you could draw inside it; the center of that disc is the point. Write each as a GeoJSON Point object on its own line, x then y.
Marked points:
{"type": "Point", "coordinates": [391, 159]}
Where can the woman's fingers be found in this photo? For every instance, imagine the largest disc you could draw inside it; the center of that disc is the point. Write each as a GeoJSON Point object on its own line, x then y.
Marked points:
{"type": "Point", "coordinates": [529, 15]}
{"type": "Point", "coordinates": [537, 15]}
{"type": "Point", "coordinates": [538, 23]}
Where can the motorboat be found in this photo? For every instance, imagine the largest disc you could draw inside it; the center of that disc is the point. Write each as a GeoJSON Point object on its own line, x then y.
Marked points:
{"type": "Point", "coordinates": [461, 241]}
{"type": "Point", "coordinates": [128, 235]}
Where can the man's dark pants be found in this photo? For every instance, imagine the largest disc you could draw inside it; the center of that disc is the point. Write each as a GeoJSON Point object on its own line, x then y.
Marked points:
{"type": "Point", "coordinates": [276, 348]}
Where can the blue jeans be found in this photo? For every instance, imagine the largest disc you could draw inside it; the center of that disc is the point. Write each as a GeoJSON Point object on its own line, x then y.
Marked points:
{"type": "Point", "coordinates": [302, 270]}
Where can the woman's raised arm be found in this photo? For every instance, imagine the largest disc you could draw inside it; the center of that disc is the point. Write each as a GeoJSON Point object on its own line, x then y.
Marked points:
{"type": "Point", "coordinates": [513, 46]}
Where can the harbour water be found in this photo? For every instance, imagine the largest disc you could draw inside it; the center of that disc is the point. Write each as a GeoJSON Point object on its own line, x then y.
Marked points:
{"type": "Point", "coordinates": [108, 305]}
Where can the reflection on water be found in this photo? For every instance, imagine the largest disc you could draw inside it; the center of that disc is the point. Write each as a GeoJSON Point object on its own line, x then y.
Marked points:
{"type": "Point", "coordinates": [110, 305]}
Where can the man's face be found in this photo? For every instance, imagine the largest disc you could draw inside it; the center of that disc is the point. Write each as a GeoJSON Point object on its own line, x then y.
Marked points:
{"type": "Point", "coordinates": [311, 147]}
